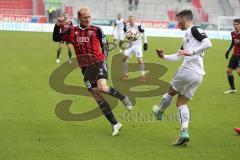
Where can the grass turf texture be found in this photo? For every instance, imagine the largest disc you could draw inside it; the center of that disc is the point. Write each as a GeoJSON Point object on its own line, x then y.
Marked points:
{"type": "Point", "coordinates": [30, 130]}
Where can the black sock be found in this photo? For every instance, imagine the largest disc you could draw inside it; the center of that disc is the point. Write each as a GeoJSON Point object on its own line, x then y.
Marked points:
{"type": "Point", "coordinates": [231, 81]}
{"type": "Point", "coordinates": [58, 52]}
{"type": "Point", "coordinates": [107, 111]}
{"type": "Point", "coordinates": [120, 44]}
{"type": "Point", "coordinates": [69, 53]}
{"type": "Point", "coordinates": [113, 92]}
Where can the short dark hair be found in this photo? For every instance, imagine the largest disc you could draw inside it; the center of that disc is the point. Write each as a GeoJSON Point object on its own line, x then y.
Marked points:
{"type": "Point", "coordinates": [237, 20]}
{"type": "Point", "coordinates": [186, 13]}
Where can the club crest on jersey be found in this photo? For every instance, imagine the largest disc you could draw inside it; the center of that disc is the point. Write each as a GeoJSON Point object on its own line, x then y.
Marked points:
{"type": "Point", "coordinates": [90, 33]}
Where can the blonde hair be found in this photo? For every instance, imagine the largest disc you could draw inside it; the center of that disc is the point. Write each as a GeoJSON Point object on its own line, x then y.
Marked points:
{"type": "Point", "coordinates": [132, 17]}
{"type": "Point", "coordinates": [85, 8]}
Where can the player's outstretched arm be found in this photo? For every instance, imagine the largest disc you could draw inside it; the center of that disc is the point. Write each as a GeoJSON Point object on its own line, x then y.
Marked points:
{"type": "Point", "coordinates": [172, 57]}
{"type": "Point", "coordinates": [56, 33]}
{"type": "Point", "coordinates": [145, 46]}
{"type": "Point", "coordinates": [229, 49]}
{"type": "Point", "coordinates": [103, 41]}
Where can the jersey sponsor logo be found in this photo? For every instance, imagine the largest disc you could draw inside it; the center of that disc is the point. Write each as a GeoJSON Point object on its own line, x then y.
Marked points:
{"type": "Point", "coordinates": [105, 66]}
{"type": "Point", "coordinates": [82, 39]}
{"type": "Point", "coordinates": [88, 84]}
{"type": "Point", "coordinates": [201, 31]}
{"type": "Point", "coordinates": [100, 72]}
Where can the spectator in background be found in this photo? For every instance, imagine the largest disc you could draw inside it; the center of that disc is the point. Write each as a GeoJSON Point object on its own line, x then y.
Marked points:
{"type": "Point", "coordinates": [130, 5]}
{"type": "Point", "coordinates": [136, 4]}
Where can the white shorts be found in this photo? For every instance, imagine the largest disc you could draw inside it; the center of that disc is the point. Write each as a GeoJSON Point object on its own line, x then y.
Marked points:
{"type": "Point", "coordinates": [185, 81]}
{"type": "Point", "coordinates": [119, 35]}
{"type": "Point", "coordinates": [134, 49]}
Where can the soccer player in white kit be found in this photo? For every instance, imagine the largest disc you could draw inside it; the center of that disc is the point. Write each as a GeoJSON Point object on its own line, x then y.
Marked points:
{"type": "Point", "coordinates": [135, 47]}
{"type": "Point", "coordinates": [118, 33]}
{"type": "Point", "coordinates": [190, 74]}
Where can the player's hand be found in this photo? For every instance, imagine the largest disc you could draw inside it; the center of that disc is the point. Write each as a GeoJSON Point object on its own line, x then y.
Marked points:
{"type": "Point", "coordinates": [185, 53]}
{"type": "Point", "coordinates": [60, 21]}
{"type": "Point", "coordinates": [226, 55]}
{"type": "Point", "coordinates": [145, 46]}
{"type": "Point", "coordinates": [160, 53]}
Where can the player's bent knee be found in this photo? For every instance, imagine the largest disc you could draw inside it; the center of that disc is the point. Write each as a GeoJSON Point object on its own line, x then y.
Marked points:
{"type": "Point", "coordinates": [140, 60]}
{"type": "Point", "coordinates": [103, 88]}
{"type": "Point", "coordinates": [171, 91]}
{"type": "Point", "coordinates": [124, 59]}
{"type": "Point", "coordinates": [229, 71]}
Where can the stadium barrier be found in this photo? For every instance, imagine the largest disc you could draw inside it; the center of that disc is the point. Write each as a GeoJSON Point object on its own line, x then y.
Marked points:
{"type": "Point", "coordinates": [153, 32]}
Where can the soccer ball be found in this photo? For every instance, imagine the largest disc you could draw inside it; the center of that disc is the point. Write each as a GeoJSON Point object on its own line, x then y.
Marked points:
{"type": "Point", "coordinates": [132, 34]}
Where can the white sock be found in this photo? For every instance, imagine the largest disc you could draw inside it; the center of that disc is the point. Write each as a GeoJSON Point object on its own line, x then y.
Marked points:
{"type": "Point", "coordinates": [125, 68]}
{"type": "Point", "coordinates": [165, 102]}
{"type": "Point", "coordinates": [141, 66]}
{"type": "Point", "coordinates": [184, 116]}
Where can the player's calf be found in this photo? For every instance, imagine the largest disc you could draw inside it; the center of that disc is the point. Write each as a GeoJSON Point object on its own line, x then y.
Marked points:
{"type": "Point", "coordinates": [159, 109]}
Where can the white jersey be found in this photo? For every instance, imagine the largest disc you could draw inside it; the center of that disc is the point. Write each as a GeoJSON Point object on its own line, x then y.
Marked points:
{"type": "Point", "coordinates": [119, 25]}
{"type": "Point", "coordinates": [192, 39]}
{"type": "Point", "coordinates": [139, 29]}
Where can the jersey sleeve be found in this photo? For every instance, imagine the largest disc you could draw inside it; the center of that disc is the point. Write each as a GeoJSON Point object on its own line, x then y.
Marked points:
{"type": "Point", "coordinates": [198, 33]}
{"type": "Point", "coordinates": [140, 29]}
{"type": "Point", "coordinates": [103, 41]}
{"type": "Point", "coordinates": [124, 27]}
{"type": "Point", "coordinates": [232, 42]}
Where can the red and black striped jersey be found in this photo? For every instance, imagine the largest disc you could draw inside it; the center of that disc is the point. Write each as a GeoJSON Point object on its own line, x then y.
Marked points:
{"type": "Point", "coordinates": [66, 25]}
{"type": "Point", "coordinates": [90, 44]}
{"type": "Point", "coordinates": [236, 42]}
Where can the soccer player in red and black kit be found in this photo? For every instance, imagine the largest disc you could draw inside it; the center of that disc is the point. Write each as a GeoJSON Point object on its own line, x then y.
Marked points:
{"type": "Point", "coordinates": [91, 49]}
{"type": "Point", "coordinates": [234, 63]}
{"type": "Point", "coordinates": [67, 23]}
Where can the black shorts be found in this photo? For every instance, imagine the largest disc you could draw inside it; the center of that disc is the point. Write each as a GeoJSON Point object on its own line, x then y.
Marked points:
{"type": "Point", "coordinates": [93, 73]}
{"type": "Point", "coordinates": [234, 62]}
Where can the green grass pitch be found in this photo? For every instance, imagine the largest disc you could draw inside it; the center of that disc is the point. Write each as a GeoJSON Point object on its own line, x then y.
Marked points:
{"type": "Point", "coordinates": [31, 130]}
